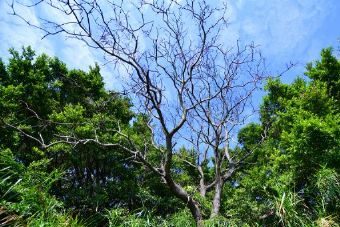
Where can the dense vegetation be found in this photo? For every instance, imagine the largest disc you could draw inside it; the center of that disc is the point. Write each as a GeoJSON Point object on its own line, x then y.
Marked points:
{"type": "Point", "coordinates": [52, 174]}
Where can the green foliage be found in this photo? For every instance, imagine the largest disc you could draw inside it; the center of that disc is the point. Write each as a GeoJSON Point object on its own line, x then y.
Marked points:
{"type": "Point", "coordinates": [182, 218]}
{"type": "Point", "coordinates": [26, 193]}
{"type": "Point", "coordinates": [42, 98]}
{"type": "Point", "coordinates": [292, 178]}
{"type": "Point", "coordinates": [250, 135]}
{"type": "Point", "coordinates": [326, 70]}
{"type": "Point", "coordinates": [328, 187]}
{"type": "Point", "coordinates": [122, 218]}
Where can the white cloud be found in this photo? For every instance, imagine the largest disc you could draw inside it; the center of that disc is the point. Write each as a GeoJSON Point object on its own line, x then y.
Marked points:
{"type": "Point", "coordinates": [282, 28]}
{"type": "Point", "coordinates": [289, 30]}
{"type": "Point", "coordinates": [286, 30]}
{"type": "Point", "coordinates": [15, 33]}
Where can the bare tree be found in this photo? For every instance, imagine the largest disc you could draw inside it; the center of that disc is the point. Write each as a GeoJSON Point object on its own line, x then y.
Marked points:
{"type": "Point", "coordinates": [192, 84]}
{"type": "Point", "coordinates": [214, 121]}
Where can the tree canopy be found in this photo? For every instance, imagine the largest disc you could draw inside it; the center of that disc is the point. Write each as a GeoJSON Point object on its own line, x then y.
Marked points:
{"type": "Point", "coordinates": [291, 177]}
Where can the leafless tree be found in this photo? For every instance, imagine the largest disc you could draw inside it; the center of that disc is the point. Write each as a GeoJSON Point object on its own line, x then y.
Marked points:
{"type": "Point", "coordinates": [190, 81]}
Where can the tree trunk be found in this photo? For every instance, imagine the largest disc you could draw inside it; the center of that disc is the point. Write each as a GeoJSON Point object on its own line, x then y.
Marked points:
{"type": "Point", "coordinates": [217, 198]}
{"type": "Point", "coordinates": [203, 187]}
{"type": "Point", "coordinates": [177, 189]}
{"type": "Point", "coordinates": [192, 204]}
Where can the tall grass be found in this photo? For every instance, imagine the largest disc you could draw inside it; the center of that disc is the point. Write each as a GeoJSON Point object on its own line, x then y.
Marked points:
{"type": "Point", "coordinates": [25, 198]}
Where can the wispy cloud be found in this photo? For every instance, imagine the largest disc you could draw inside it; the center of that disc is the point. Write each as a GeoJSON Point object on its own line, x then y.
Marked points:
{"type": "Point", "coordinates": [289, 30]}
{"type": "Point", "coordinates": [285, 30]}
{"type": "Point", "coordinates": [16, 33]}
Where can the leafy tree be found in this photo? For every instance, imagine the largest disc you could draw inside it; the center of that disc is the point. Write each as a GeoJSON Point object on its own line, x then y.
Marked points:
{"type": "Point", "coordinates": [294, 179]}
{"type": "Point", "coordinates": [41, 101]}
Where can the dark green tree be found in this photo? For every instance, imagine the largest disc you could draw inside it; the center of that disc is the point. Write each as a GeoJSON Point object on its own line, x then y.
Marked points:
{"type": "Point", "coordinates": [294, 177]}
{"type": "Point", "coordinates": [41, 101]}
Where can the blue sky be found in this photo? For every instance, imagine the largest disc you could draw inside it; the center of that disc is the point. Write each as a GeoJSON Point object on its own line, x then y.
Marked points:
{"type": "Point", "coordinates": [286, 30]}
